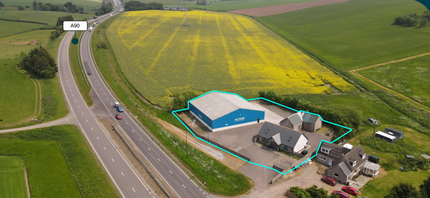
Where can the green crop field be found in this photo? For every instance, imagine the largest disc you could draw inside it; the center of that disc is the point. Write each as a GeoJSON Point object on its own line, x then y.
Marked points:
{"type": "Point", "coordinates": [410, 78]}
{"type": "Point", "coordinates": [14, 27]}
{"type": "Point", "coordinates": [221, 51]}
{"type": "Point", "coordinates": [84, 3]}
{"type": "Point", "coordinates": [354, 34]}
{"type": "Point", "coordinates": [45, 152]}
{"type": "Point", "coordinates": [12, 177]}
{"type": "Point", "coordinates": [43, 17]}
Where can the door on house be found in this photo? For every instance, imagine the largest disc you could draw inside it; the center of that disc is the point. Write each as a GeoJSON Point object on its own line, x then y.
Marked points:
{"type": "Point", "coordinates": [330, 162]}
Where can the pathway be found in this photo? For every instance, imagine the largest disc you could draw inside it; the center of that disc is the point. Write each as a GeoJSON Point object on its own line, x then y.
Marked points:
{"type": "Point", "coordinates": [69, 119]}
{"type": "Point", "coordinates": [355, 72]}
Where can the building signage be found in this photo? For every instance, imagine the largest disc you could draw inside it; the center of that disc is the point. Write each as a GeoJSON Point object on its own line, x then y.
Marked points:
{"type": "Point", "coordinates": [239, 119]}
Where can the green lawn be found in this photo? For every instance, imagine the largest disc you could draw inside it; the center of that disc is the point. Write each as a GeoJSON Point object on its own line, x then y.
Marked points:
{"type": "Point", "coordinates": [354, 35]}
{"type": "Point", "coordinates": [12, 46]}
{"type": "Point", "coordinates": [381, 186]}
{"type": "Point", "coordinates": [234, 4]}
{"type": "Point", "coordinates": [410, 78]}
{"type": "Point", "coordinates": [84, 3]}
{"type": "Point", "coordinates": [49, 17]}
{"type": "Point", "coordinates": [14, 27]}
{"type": "Point", "coordinates": [12, 177]}
{"type": "Point", "coordinates": [49, 174]}
{"type": "Point", "coordinates": [18, 93]}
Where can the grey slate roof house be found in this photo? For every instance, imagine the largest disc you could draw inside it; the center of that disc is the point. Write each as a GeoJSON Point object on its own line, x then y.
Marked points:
{"type": "Point", "coordinates": [281, 138]}
{"type": "Point", "coordinates": [343, 163]}
{"type": "Point", "coordinates": [302, 121]}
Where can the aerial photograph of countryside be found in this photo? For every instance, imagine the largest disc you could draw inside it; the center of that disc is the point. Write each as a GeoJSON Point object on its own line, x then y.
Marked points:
{"type": "Point", "coordinates": [215, 98]}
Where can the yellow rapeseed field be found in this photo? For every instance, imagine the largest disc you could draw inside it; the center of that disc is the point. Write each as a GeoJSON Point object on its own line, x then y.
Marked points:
{"type": "Point", "coordinates": [217, 51]}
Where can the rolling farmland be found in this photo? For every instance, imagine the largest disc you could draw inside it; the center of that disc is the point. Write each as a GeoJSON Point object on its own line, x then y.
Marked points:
{"type": "Point", "coordinates": [12, 177]}
{"type": "Point", "coordinates": [160, 56]}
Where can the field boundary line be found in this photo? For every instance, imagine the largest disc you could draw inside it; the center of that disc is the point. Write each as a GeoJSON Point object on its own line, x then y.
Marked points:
{"type": "Point", "coordinates": [67, 160]}
{"type": "Point", "coordinates": [355, 73]}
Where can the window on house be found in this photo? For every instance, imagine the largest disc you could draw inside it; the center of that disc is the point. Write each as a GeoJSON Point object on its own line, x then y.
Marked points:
{"type": "Point", "coordinates": [285, 147]}
{"type": "Point", "coordinates": [264, 139]}
{"type": "Point", "coordinates": [325, 150]}
{"type": "Point", "coordinates": [353, 163]}
{"type": "Point", "coordinates": [363, 156]}
{"type": "Point", "coordinates": [335, 175]}
{"type": "Point", "coordinates": [322, 158]}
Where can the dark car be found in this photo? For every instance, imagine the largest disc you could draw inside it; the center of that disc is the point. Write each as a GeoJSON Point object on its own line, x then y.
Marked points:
{"type": "Point", "coordinates": [89, 73]}
{"type": "Point", "coordinates": [118, 116]}
{"type": "Point", "coordinates": [350, 190]}
{"type": "Point", "coordinates": [340, 194]}
{"type": "Point", "coordinates": [329, 180]}
{"type": "Point", "coordinates": [373, 159]}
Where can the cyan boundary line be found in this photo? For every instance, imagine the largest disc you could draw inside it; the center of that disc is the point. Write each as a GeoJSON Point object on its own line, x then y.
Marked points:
{"type": "Point", "coordinates": [260, 98]}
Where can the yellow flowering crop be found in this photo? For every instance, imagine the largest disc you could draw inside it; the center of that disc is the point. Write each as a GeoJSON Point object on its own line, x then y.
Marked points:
{"type": "Point", "coordinates": [217, 51]}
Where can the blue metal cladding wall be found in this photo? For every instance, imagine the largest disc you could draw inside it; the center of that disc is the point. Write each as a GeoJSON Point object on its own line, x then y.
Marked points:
{"type": "Point", "coordinates": [239, 116]}
{"type": "Point", "coordinates": [201, 115]}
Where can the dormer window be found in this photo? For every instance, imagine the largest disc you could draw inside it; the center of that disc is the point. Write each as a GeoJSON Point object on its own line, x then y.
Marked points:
{"type": "Point", "coordinates": [267, 131]}
{"type": "Point", "coordinates": [363, 156]}
{"type": "Point", "coordinates": [325, 150]}
{"type": "Point", "coordinates": [353, 163]}
{"type": "Point", "coordinates": [289, 139]}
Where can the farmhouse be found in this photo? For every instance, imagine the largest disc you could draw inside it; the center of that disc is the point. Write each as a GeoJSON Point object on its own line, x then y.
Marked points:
{"type": "Point", "coordinates": [302, 121]}
{"type": "Point", "coordinates": [399, 134]}
{"type": "Point", "coordinates": [220, 111]}
{"type": "Point", "coordinates": [281, 138]}
{"type": "Point", "coordinates": [343, 163]}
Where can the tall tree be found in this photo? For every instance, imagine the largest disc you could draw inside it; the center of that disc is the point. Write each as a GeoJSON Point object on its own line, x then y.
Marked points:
{"type": "Point", "coordinates": [425, 188]}
{"type": "Point", "coordinates": [40, 62]}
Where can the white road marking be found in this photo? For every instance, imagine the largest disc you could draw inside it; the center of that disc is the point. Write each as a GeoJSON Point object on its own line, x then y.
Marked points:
{"type": "Point", "coordinates": [86, 120]}
{"type": "Point", "coordinates": [140, 139]}
{"type": "Point", "coordinates": [133, 189]}
{"type": "Point", "coordinates": [159, 159]}
{"type": "Point", "coordinates": [126, 122]}
{"type": "Point", "coordinates": [113, 160]}
{"type": "Point", "coordinates": [149, 148]}
{"type": "Point", "coordinates": [97, 137]}
{"type": "Point", "coordinates": [91, 129]}
{"type": "Point", "coordinates": [183, 186]}
{"type": "Point", "coordinates": [75, 100]}
{"type": "Point", "coordinates": [122, 174]}
{"type": "Point", "coordinates": [200, 189]}
{"type": "Point", "coordinates": [104, 148]}
{"type": "Point", "coordinates": [170, 172]}
{"type": "Point", "coordinates": [82, 113]}
{"type": "Point", "coordinates": [79, 107]}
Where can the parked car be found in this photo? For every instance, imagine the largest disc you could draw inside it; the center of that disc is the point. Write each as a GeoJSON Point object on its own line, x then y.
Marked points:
{"type": "Point", "coordinates": [373, 121]}
{"type": "Point", "coordinates": [350, 190]}
{"type": "Point", "coordinates": [340, 194]}
{"type": "Point", "coordinates": [373, 159]}
{"type": "Point", "coordinates": [119, 108]}
{"type": "Point", "coordinates": [329, 180]}
{"type": "Point", "coordinates": [118, 116]}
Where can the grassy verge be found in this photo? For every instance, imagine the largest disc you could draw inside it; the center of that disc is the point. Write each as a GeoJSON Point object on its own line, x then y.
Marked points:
{"type": "Point", "coordinates": [12, 177]}
{"type": "Point", "coordinates": [77, 70]}
{"type": "Point", "coordinates": [44, 151]}
{"type": "Point", "coordinates": [219, 178]}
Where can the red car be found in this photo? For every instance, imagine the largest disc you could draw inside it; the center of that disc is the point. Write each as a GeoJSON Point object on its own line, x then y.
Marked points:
{"type": "Point", "coordinates": [340, 194]}
{"type": "Point", "coordinates": [328, 180]}
{"type": "Point", "coordinates": [350, 190]}
{"type": "Point", "coordinates": [118, 116]}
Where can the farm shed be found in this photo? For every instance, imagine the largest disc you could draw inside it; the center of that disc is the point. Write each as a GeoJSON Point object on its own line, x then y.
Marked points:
{"type": "Point", "coordinates": [220, 111]}
{"type": "Point", "coordinates": [399, 134]}
{"type": "Point", "coordinates": [385, 136]}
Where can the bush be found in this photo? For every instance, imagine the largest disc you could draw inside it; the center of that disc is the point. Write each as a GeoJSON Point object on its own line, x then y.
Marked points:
{"type": "Point", "coordinates": [1, 4]}
{"type": "Point", "coordinates": [40, 62]}
{"type": "Point", "coordinates": [412, 20]}
{"type": "Point", "coordinates": [21, 8]}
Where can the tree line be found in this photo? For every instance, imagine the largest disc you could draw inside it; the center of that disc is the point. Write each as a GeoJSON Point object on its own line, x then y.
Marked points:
{"type": "Point", "coordinates": [106, 8]}
{"type": "Point", "coordinates": [137, 5]}
{"type": "Point", "coordinates": [59, 26]}
{"type": "Point", "coordinates": [67, 7]}
{"type": "Point", "coordinates": [348, 117]}
{"type": "Point", "coordinates": [406, 190]}
{"type": "Point", "coordinates": [412, 20]}
{"type": "Point", "coordinates": [39, 62]}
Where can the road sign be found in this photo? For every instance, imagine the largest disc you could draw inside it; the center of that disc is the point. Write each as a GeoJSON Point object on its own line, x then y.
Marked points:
{"type": "Point", "coordinates": [75, 26]}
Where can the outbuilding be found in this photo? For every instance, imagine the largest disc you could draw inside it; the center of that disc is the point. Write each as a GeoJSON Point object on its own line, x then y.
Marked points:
{"type": "Point", "coordinates": [399, 134]}
{"type": "Point", "coordinates": [220, 111]}
{"type": "Point", "coordinates": [385, 136]}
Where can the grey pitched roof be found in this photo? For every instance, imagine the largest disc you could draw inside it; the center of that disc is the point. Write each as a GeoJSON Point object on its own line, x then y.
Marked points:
{"type": "Point", "coordinates": [354, 155]}
{"type": "Point", "coordinates": [295, 119]}
{"type": "Point", "coordinates": [286, 136]}
{"type": "Point", "coordinates": [344, 168]}
{"type": "Point", "coordinates": [336, 151]}
{"type": "Point", "coordinates": [393, 130]}
{"type": "Point", "coordinates": [215, 105]}
{"type": "Point", "coordinates": [310, 118]}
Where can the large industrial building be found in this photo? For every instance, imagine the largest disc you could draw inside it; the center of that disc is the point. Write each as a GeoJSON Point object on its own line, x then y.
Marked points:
{"type": "Point", "coordinates": [220, 111]}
